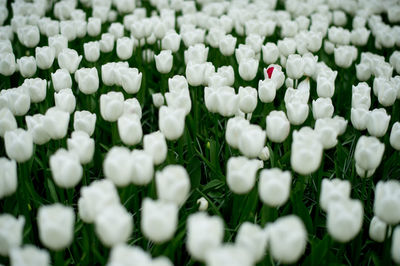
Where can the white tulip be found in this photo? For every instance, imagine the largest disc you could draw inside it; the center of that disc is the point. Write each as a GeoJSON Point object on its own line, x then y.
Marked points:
{"type": "Point", "coordinates": [7, 64]}
{"type": "Point", "coordinates": [173, 184]}
{"type": "Point", "coordinates": [387, 201]}
{"type": "Point", "coordinates": [253, 238]}
{"type": "Point", "coordinates": [171, 122]}
{"type": "Point", "coordinates": [270, 53]}
{"type": "Point", "coordinates": [82, 145]}
{"type": "Point", "coordinates": [7, 121]}
{"type": "Point", "coordinates": [278, 126]}
{"type": "Point", "coordinates": [252, 141]}
{"type": "Point", "coordinates": [124, 48]}
{"type": "Point", "coordinates": [37, 89]}
{"type": "Point", "coordinates": [65, 168]}
{"type": "Point", "coordinates": [56, 122]}
{"type": "Point", "coordinates": [267, 90]}
{"type": "Point", "coordinates": [227, 45]}
{"type": "Point", "coordinates": [143, 168]}
{"type": "Point", "coordinates": [65, 100]}
{"type": "Point", "coordinates": [155, 145]}
{"type": "Point", "coordinates": [378, 122]}
{"type": "Point", "coordinates": [37, 127]}
{"type": "Point", "coordinates": [18, 144]}
{"type": "Point", "coordinates": [92, 51]}
{"type": "Point", "coordinates": [396, 245]}
{"type": "Point", "coordinates": [235, 127]}
{"type": "Point", "coordinates": [241, 174]}
{"type": "Point", "coordinates": [8, 177]}
{"type": "Point", "coordinates": [58, 43]}
{"type": "Point", "coordinates": [69, 60]}
{"type": "Point", "coordinates": [84, 121]}
{"type": "Point", "coordinates": [27, 66]}
{"type": "Point", "coordinates": [124, 255]}
{"type": "Point", "coordinates": [130, 129]}
{"type": "Point", "coordinates": [333, 190]}
{"type": "Point", "coordinates": [248, 68]}
{"type": "Point", "coordinates": [29, 255]}
{"type": "Point", "coordinates": [378, 229]}
{"type": "Point", "coordinates": [107, 42]}
{"type": "Point", "coordinates": [94, 26]}
{"type": "Point", "coordinates": [11, 233]}
{"type": "Point", "coordinates": [368, 153]}
{"type": "Point", "coordinates": [111, 105]}
{"type": "Point", "coordinates": [322, 108]}
{"type": "Point", "coordinates": [117, 166]}
{"type": "Point", "coordinates": [229, 255]}
{"type": "Point", "coordinates": [130, 79]}
{"type": "Point", "coordinates": [274, 186]}
{"type": "Point", "coordinates": [179, 99]}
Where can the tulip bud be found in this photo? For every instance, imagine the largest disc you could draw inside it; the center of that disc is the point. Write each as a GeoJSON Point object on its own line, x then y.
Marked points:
{"type": "Point", "coordinates": [58, 43]}
{"type": "Point", "coordinates": [306, 151]}
{"type": "Point", "coordinates": [68, 29]}
{"type": "Point", "coordinates": [130, 79]}
{"type": "Point", "coordinates": [95, 197]}
{"type": "Point", "coordinates": [107, 42]}
{"type": "Point", "coordinates": [19, 144]}
{"type": "Point", "coordinates": [171, 122]}
{"type": "Point", "coordinates": [173, 184]}
{"type": "Point", "coordinates": [287, 239]}
{"type": "Point", "coordinates": [267, 90]}
{"type": "Point", "coordinates": [27, 66]}
{"type": "Point", "coordinates": [69, 59]}
{"type": "Point", "coordinates": [65, 100]}
{"type": "Point", "coordinates": [56, 226]}
{"type": "Point", "coordinates": [345, 56]}
{"type": "Point", "coordinates": [248, 69]}
{"type": "Point", "coordinates": [333, 190]}
{"type": "Point", "coordinates": [171, 41]}
{"type": "Point", "coordinates": [92, 51]}
{"type": "Point", "coordinates": [270, 53]}
{"type": "Point", "coordinates": [7, 64]}
{"type": "Point", "coordinates": [228, 74]}
{"type": "Point", "coordinates": [84, 121]}
{"type": "Point", "coordinates": [234, 129]}
{"type": "Point", "coordinates": [378, 122]}
{"type": "Point", "coordinates": [274, 186]}
{"type": "Point", "coordinates": [195, 73]}
{"type": "Point", "coordinates": [65, 168]}
{"type": "Point", "coordinates": [142, 167]}
{"type": "Point", "coordinates": [197, 54]}
{"type": "Point", "coordinates": [113, 225]}
{"type": "Point", "coordinates": [326, 85]}
{"type": "Point", "coordinates": [8, 177]}
{"type": "Point", "coordinates": [387, 201]}
{"type": "Point", "coordinates": [204, 233]}
{"type": "Point", "coordinates": [297, 112]}
{"type": "Point", "coordinates": [61, 79]}
{"type": "Point", "coordinates": [88, 80]}
{"type": "Point", "coordinates": [229, 254]}
{"type": "Point", "coordinates": [241, 174]}
{"type": "Point", "coordinates": [247, 99]}
{"type": "Point", "coordinates": [361, 96]}
{"type": "Point", "coordinates": [122, 254]}
{"type": "Point", "coordinates": [295, 66]}
{"type": "Point", "coordinates": [56, 122]}
{"type": "Point", "coordinates": [322, 108]}
{"type": "Point", "coordinates": [164, 61]}
{"type": "Point", "coordinates": [29, 35]}
{"type": "Point", "coordinates": [158, 99]}
{"type": "Point", "coordinates": [29, 255]}
{"type": "Point", "coordinates": [115, 158]}
{"type": "Point", "coordinates": [111, 105]}
{"type": "Point", "coordinates": [155, 145]}
{"type": "Point", "coordinates": [368, 153]}
{"type": "Point", "coordinates": [264, 154]}
{"type": "Point", "coordinates": [253, 239]}
{"type": "Point", "coordinates": [252, 141]}
{"type": "Point", "coordinates": [287, 46]}
{"type": "Point", "coordinates": [378, 229]}
{"type": "Point", "coordinates": [82, 145]}
{"type": "Point", "coordinates": [37, 89]}
{"type": "Point", "coordinates": [278, 126]}
{"type": "Point", "coordinates": [203, 204]}
{"type": "Point", "coordinates": [124, 48]}
{"type": "Point", "coordinates": [396, 245]}
{"type": "Point", "coordinates": [94, 26]}
{"type": "Point", "coordinates": [179, 99]}
{"type": "Point", "coordinates": [11, 230]}
{"type": "Point", "coordinates": [344, 219]}
{"type": "Point", "coordinates": [37, 128]}
{"type": "Point", "coordinates": [7, 121]}
{"type": "Point", "coordinates": [159, 220]}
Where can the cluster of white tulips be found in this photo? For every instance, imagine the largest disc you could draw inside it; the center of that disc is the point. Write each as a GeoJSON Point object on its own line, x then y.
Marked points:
{"type": "Point", "coordinates": [53, 98]}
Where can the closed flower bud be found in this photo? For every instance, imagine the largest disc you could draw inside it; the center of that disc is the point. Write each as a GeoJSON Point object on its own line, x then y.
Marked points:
{"type": "Point", "coordinates": [7, 121]}
{"type": "Point", "coordinates": [227, 45]}
{"type": "Point", "coordinates": [295, 66]}
{"type": "Point", "coordinates": [164, 61]}
{"type": "Point", "coordinates": [229, 254]}
{"type": "Point", "coordinates": [37, 89]}
{"type": "Point", "coordinates": [27, 66]}
{"type": "Point", "coordinates": [378, 229]}
{"type": "Point", "coordinates": [65, 100]}
{"type": "Point", "coordinates": [61, 79]}
{"type": "Point", "coordinates": [344, 219]}
{"type": "Point", "coordinates": [88, 80]}
{"type": "Point", "coordinates": [155, 145]}
{"type": "Point", "coordinates": [274, 186]}
{"type": "Point", "coordinates": [56, 122]}
{"type": "Point", "coordinates": [195, 73]}
{"type": "Point", "coordinates": [130, 79]}
{"type": "Point", "coordinates": [264, 154]}
{"type": "Point", "coordinates": [234, 129]}
{"type": "Point", "coordinates": [378, 122]}
{"type": "Point", "coordinates": [327, 131]}
{"type": "Point", "coordinates": [322, 108]}
{"type": "Point", "coordinates": [159, 220]}
{"type": "Point", "coordinates": [395, 245]}
{"type": "Point", "coordinates": [123, 254]}
{"type": "Point", "coordinates": [253, 238]}
{"type": "Point", "coordinates": [58, 43]}
{"type": "Point", "coordinates": [69, 59]}
{"type": "Point", "coordinates": [117, 166]}
{"type": "Point", "coordinates": [297, 112]}
{"type": "Point", "coordinates": [359, 118]}
{"type": "Point", "coordinates": [173, 184]}
{"type": "Point", "coordinates": [387, 201]}
{"type": "Point", "coordinates": [241, 174]}
{"type": "Point", "coordinates": [278, 126]}
{"type": "Point", "coordinates": [66, 168]}
{"type": "Point", "coordinates": [130, 129]}
{"type": "Point", "coordinates": [345, 56]}
{"type": "Point", "coordinates": [92, 51]}
{"type": "Point", "coordinates": [107, 42]}
{"type": "Point", "coordinates": [68, 29]}
{"type": "Point", "coordinates": [267, 90]}
{"type": "Point", "coordinates": [171, 122]}
{"type": "Point", "coordinates": [29, 255]}
{"type": "Point", "coordinates": [56, 226]}
{"type": "Point", "coordinates": [113, 225]}
{"type": "Point", "coordinates": [368, 153]}
{"type": "Point", "coordinates": [29, 35]}
{"type": "Point", "coordinates": [204, 234]}
{"type": "Point", "coordinates": [171, 41]}
{"type": "Point", "coordinates": [252, 141]}
{"type": "Point", "coordinates": [8, 177]}
{"type": "Point", "coordinates": [361, 96]}
{"type": "Point", "coordinates": [248, 69]}
{"type": "Point", "coordinates": [158, 99]}
{"type": "Point", "coordinates": [359, 36]}
{"type": "Point", "coordinates": [94, 26]}
{"type": "Point", "coordinates": [395, 136]}
{"type": "Point", "coordinates": [17, 100]}
{"type": "Point", "coordinates": [287, 46]}
{"type": "Point", "coordinates": [37, 127]}
{"type": "Point", "coordinates": [7, 64]}
{"type": "Point", "coordinates": [82, 145]}
{"type": "Point", "coordinates": [197, 54]}
{"type": "Point", "coordinates": [142, 167]}
{"type": "Point", "coordinates": [247, 99]}
{"type": "Point", "coordinates": [333, 190]}
{"type": "Point", "coordinates": [11, 230]}
{"type": "Point", "coordinates": [18, 144]}
{"type": "Point", "coordinates": [95, 197]}
{"type": "Point", "coordinates": [124, 48]}
{"type": "Point", "coordinates": [132, 107]}
{"type": "Point", "coordinates": [363, 71]}
{"type": "Point", "coordinates": [84, 121]}
{"type": "Point", "coordinates": [111, 105]}
{"type": "Point", "coordinates": [387, 95]}
{"type": "Point", "coordinates": [203, 204]}
{"type": "Point", "coordinates": [326, 85]}
{"type": "Point", "coordinates": [287, 239]}
{"type": "Point", "coordinates": [306, 151]}
{"type": "Point", "coordinates": [270, 53]}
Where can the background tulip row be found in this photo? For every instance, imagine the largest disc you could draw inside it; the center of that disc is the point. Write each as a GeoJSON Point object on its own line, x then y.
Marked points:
{"type": "Point", "coordinates": [199, 132]}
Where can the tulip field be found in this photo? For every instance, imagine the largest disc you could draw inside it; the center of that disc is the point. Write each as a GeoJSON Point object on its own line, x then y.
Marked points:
{"type": "Point", "coordinates": [220, 133]}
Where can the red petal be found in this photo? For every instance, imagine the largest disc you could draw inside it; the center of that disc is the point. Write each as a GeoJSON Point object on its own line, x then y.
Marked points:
{"type": "Point", "coordinates": [269, 71]}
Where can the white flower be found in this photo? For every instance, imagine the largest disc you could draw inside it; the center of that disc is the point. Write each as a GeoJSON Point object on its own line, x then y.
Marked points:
{"type": "Point", "coordinates": [203, 204]}
{"type": "Point", "coordinates": [113, 225]}
{"type": "Point", "coordinates": [241, 174]}
{"type": "Point", "coordinates": [287, 46]}
{"type": "Point", "coordinates": [130, 129]}
{"type": "Point", "coordinates": [264, 154]}
{"type": "Point", "coordinates": [125, 255]}
{"type": "Point", "coordinates": [235, 127]}
{"type": "Point", "coordinates": [130, 79]}
{"type": "Point", "coordinates": [171, 122]}
{"type": "Point", "coordinates": [359, 36]}
{"type": "Point", "coordinates": [56, 226]}
{"type": "Point", "coordinates": [359, 118]}
{"type": "Point", "coordinates": [19, 144]}
{"type": "Point", "coordinates": [179, 99]}
{"type": "Point", "coordinates": [36, 126]}
{"type": "Point", "coordinates": [82, 145]}
{"type": "Point", "coordinates": [287, 239]}
{"type": "Point", "coordinates": [294, 66]}
{"type": "Point", "coordinates": [204, 234]}
{"type": "Point", "coordinates": [252, 141]}
{"type": "Point", "coordinates": [8, 177]}
{"type": "Point", "coordinates": [68, 29]}
{"type": "Point", "coordinates": [65, 100]}
{"type": "Point", "coordinates": [7, 121]}
{"type": "Point", "coordinates": [61, 79]}
{"type": "Point", "coordinates": [88, 80]}
{"type": "Point", "coordinates": [396, 245]}
{"type": "Point", "coordinates": [395, 136]}
{"type": "Point", "coordinates": [117, 166]}
{"type": "Point", "coordinates": [363, 71]}
{"type": "Point", "coordinates": [361, 96]}
{"type": "Point", "coordinates": [56, 122]}
{"type": "Point", "coordinates": [69, 59]}
{"type": "Point", "coordinates": [65, 168]}
{"type": "Point", "coordinates": [158, 99]}
{"type": "Point", "coordinates": [275, 73]}
{"type": "Point", "coordinates": [95, 197]}
{"type": "Point", "coordinates": [84, 121]}
{"type": "Point", "coordinates": [277, 126]}
{"type": "Point", "coordinates": [368, 153]}
{"type": "Point", "coordinates": [37, 89]}
{"type": "Point", "coordinates": [248, 68]}
{"type": "Point", "coordinates": [107, 42]}
{"type": "Point", "coordinates": [132, 107]}
{"type": "Point", "coordinates": [344, 219]}
{"type": "Point", "coordinates": [142, 167]}
{"type": "Point", "coordinates": [197, 54]}
{"type": "Point", "coordinates": [195, 73]}
{"type": "Point", "coordinates": [297, 112]}
{"type": "Point", "coordinates": [111, 105]}
{"type": "Point", "coordinates": [29, 35]}
{"type": "Point", "coordinates": [274, 186]}
{"type": "Point", "coordinates": [333, 190]}
{"type": "Point", "coordinates": [29, 255]}
{"type": "Point", "coordinates": [94, 26]}
{"type": "Point", "coordinates": [244, 52]}
{"type": "Point", "coordinates": [11, 230]}
{"type": "Point", "coordinates": [267, 90]}
{"type": "Point", "coordinates": [322, 108]}
{"type": "Point", "coordinates": [124, 48]}
{"type": "Point", "coordinates": [378, 229]}
{"type": "Point", "coordinates": [27, 66]}
{"type": "Point", "coordinates": [58, 43]}
{"type": "Point", "coordinates": [306, 152]}
{"type": "Point", "coordinates": [173, 184]}
{"type": "Point", "coordinates": [339, 35]}
{"type": "Point", "coordinates": [326, 85]}
{"type": "Point", "coordinates": [229, 255]}
{"type": "Point", "coordinates": [255, 41]}
{"type": "Point", "coordinates": [270, 53]}
{"type": "Point", "coordinates": [247, 99]}
{"type": "Point", "coordinates": [92, 51]}
{"type": "Point", "coordinates": [7, 64]}
{"type": "Point", "coordinates": [159, 220]}
{"type": "Point", "coordinates": [253, 238]}
{"type": "Point", "coordinates": [155, 145]}
{"type": "Point", "coordinates": [164, 61]}
{"type": "Point", "coordinates": [345, 56]}
{"type": "Point", "coordinates": [171, 41]}
{"type": "Point", "coordinates": [328, 131]}
{"type": "Point", "coordinates": [378, 122]}
{"type": "Point", "coordinates": [387, 201]}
